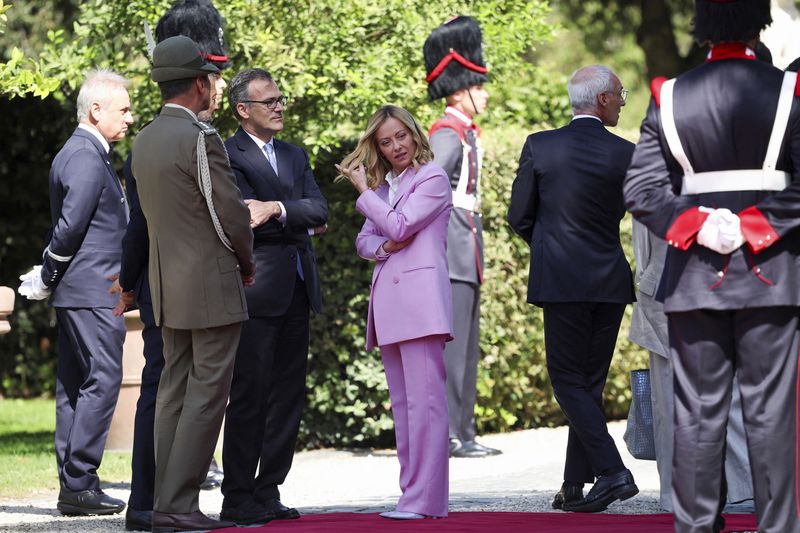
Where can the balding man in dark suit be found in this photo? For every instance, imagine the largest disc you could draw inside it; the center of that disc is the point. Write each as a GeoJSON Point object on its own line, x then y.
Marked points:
{"type": "Point", "coordinates": [567, 203]}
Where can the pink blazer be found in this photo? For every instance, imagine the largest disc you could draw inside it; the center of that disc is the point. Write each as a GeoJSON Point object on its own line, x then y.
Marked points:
{"type": "Point", "coordinates": [410, 295]}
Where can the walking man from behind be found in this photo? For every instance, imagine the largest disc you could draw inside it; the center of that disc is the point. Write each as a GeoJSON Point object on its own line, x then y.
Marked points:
{"type": "Point", "coordinates": [566, 202]}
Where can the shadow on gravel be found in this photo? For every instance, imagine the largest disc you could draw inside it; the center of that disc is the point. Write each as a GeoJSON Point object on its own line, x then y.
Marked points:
{"type": "Point", "coordinates": [28, 509]}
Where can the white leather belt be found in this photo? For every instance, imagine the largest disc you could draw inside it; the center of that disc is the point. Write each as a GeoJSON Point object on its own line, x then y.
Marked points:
{"type": "Point", "coordinates": [465, 201]}
{"type": "Point", "coordinates": [735, 180]}
{"type": "Point", "coordinates": [767, 178]}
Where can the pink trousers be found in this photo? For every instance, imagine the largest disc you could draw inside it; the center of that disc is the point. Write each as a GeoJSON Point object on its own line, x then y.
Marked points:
{"type": "Point", "coordinates": [416, 377]}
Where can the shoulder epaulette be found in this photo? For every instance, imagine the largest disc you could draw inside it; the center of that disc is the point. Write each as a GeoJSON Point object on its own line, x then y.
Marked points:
{"type": "Point", "coordinates": [205, 127]}
{"type": "Point", "coordinates": [655, 89]}
{"type": "Point", "coordinates": [451, 123]}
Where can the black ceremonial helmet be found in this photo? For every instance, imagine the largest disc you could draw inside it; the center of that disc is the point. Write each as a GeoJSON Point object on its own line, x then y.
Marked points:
{"type": "Point", "coordinates": [454, 57]}
{"type": "Point", "coordinates": [200, 21]}
{"type": "Point", "coordinates": [721, 21]}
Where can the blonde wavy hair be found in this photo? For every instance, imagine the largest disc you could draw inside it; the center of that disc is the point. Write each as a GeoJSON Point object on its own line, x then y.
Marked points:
{"type": "Point", "coordinates": [368, 152]}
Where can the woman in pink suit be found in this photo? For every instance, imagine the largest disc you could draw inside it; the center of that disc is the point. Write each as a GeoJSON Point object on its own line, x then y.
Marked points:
{"type": "Point", "coordinates": [406, 200]}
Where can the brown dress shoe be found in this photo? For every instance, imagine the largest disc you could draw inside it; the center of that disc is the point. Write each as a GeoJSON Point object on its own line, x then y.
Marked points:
{"type": "Point", "coordinates": [169, 522]}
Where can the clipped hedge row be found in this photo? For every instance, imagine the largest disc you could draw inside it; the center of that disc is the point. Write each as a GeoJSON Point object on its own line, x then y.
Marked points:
{"type": "Point", "coordinates": [348, 402]}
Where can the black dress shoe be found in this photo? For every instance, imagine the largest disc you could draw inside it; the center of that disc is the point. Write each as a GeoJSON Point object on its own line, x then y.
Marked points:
{"type": "Point", "coordinates": [136, 520]}
{"type": "Point", "coordinates": [213, 479]}
{"type": "Point", "coordinates": [87, 502]}
{"type": "Point", "coordinates": [169, 522]}
{"type": "Point", "coordinates": [280, 511]}
{"type": "Point", "coordinates": [246, 513]}
{"type": "Point", "coordinates": [606, 490]}
{"type": "Point", "coordinates": [473, 449]}
{"type": "Point", "coordinates": [570, 492]}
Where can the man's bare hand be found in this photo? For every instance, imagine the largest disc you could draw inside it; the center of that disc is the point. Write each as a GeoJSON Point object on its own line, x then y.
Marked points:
{"type": "Point", "coordinates": [319, 230]}
{"type": "Point", "coordinates": [248, 278]}
{"type": "Point", "coordinates": [126, 299]}
{"type": "Point", "coordinates": [391, 246]}
{"type": "Point", "coordinates": [262, 212]}
{"type": "Point", "coordinates": [115, 287]}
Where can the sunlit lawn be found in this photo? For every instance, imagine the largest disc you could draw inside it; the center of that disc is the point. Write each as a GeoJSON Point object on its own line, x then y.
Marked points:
{"type": "Point", "coordinates": [27, 456]}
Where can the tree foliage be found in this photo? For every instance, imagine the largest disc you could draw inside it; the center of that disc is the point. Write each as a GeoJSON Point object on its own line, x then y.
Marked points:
{"type": "Point", "coordinates": [338, 61]}
{"type": "Point", "coordinates": [661, 28]}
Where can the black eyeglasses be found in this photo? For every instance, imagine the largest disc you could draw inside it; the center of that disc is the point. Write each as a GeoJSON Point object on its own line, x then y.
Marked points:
{"type": "Point", "coordinates": [271, 103]}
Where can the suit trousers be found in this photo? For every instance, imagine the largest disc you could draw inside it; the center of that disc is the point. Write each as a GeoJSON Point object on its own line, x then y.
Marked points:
{"type": "Point", "coordinates": [579, 342]}
{"type": "Point", "coordinates": [761, 346]}
{"type": "Point", "coordinates": [143, 459]}
{"type": "Point", "coordinates": [88, 379]}
{"type": "Point", "coordinates": [461, 360]}
{"type": "Point", "coordinates": [416, 377]}
{"type": "Point", "coordinates": [737, 465]}
{"type": "Point", "coordinates": [266, 404]}
{"type": "Point", "coordinates": [192, 393]}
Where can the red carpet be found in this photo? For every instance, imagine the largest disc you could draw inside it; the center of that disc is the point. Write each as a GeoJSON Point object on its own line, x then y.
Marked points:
{"type": "Point", "coordinates": [489, 523]}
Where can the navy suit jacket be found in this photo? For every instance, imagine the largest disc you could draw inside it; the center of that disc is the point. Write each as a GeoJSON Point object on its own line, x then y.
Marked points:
{"type": "Point", "coordinates": [276, 246]}
{"type": "Point", "coordinates": [566, 202]}
{"type": "Point", "coordinates": [89, 215]}
{"type": "Point", "coordinates": [135, 244]}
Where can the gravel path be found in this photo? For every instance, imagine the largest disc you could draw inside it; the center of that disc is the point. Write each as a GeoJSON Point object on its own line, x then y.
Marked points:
{"type": "Point", "coordinates": [523, 478]}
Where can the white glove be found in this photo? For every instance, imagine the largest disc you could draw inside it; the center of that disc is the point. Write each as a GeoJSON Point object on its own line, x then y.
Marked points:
{"type": "Point", "coordinates": [721, 231]}
{"type": "Point", "coordinates": [32, 287]}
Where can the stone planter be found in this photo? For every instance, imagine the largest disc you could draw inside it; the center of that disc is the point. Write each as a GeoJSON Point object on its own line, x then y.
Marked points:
{"type": "Point", "coordinates": [120, 436]}
{"type": "Point", "coordinates": [6, 308]}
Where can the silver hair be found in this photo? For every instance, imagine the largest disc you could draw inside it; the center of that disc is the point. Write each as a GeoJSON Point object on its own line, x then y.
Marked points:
{"type": "Point", "coordinates": [97, 87]}
{"type": "Point", "coordinates": [586, 83]}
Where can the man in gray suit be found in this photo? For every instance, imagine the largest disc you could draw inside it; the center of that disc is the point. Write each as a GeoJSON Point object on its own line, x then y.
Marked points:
{"type": "Point", "coordinates": [649, 330]}
{"type": "Point", "coordinates": [201, 254]}
{"type": "Point", "coordinates": [89, 215]}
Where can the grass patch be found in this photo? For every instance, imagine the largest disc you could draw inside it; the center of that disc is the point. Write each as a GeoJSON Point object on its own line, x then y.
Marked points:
{"type": "Point", "coordinates": [27, 452]}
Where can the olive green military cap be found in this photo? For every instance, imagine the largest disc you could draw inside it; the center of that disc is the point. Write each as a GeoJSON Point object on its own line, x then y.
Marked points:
{"type": "Point", "coordinates": [178, 58]}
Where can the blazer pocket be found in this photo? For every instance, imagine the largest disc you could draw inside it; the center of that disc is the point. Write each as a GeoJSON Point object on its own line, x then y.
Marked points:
{"type": "Point", "coordinates": [230, 284]}
{"type": "Point", "coordinates": [648, 283]}
{"type": "Point", "coordinates": [420, 267]}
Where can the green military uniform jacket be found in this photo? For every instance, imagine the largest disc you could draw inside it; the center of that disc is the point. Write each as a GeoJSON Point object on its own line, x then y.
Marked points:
{"type": "Point", "coordinates": [195, 280]}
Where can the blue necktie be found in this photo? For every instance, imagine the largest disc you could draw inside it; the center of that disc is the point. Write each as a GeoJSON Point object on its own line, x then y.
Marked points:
{"type": "Point", "coordinates": [273, 162]}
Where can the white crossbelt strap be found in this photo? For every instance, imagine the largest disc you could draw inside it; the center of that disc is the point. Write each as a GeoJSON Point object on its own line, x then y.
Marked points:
{"type": "Point", "coordinates": [781, 120]}
{"type": "Point", "coordinates": [670, 131]}
{"type": "Point", "coordinates": [764, 179]}
{"type": "Point", "coordinates": [460, 196]}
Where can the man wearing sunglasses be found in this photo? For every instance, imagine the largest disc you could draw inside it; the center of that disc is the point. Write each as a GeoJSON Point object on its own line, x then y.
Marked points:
{"type": "Point", "coordinates": [268, 389]}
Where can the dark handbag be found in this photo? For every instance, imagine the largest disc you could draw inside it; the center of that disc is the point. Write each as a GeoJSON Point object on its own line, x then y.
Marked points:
{"type": "Point", "coordinates": [639, 437]}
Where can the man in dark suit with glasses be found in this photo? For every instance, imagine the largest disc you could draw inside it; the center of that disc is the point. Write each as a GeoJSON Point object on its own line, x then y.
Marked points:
{"type": "Point", "coordinates": [268, 390]}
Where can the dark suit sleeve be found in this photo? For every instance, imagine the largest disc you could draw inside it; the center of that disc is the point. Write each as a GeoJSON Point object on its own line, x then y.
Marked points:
{"type": "Point", "coordinates": [447, 153]}
{"type": "Point", "coordinates": [311, 210]}
{"type": "Point", "coordinates": [524, 195]}
{"type": "Point", "coordinates": [233, 214]}
{"type": "Point", "coordinates": [136, 242]}
{"type": "Point", "coordinates": [272, 228]}
{"type": "Point", "coordinates": [82, 181]}
{"type": "Point", "coordinates": [648, 190]}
